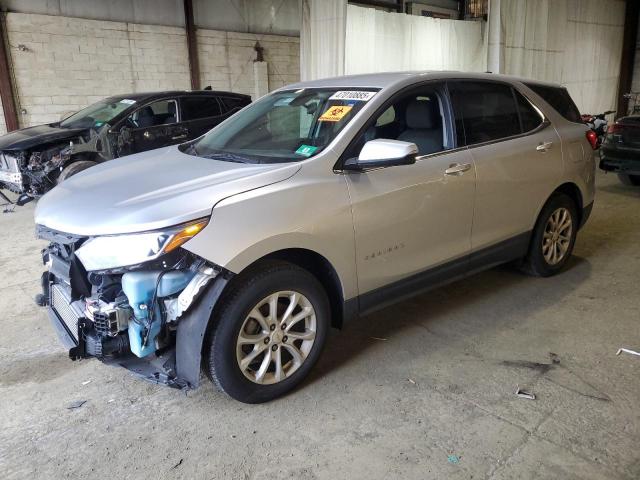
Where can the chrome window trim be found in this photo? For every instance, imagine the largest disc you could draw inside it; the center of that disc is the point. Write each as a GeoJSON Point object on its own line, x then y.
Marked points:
{"type": "Point", "coordinates": [441, 152]}
{"type": "Point", "coordinates": [546, 123]}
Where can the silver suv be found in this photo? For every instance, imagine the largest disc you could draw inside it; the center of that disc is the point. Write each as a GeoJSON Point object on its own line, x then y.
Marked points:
{"type": "Point", "coordinates": [236, 252]}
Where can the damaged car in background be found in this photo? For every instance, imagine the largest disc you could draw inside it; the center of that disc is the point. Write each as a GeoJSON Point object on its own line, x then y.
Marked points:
{"type": "Point", "coordinates": [33, 160]}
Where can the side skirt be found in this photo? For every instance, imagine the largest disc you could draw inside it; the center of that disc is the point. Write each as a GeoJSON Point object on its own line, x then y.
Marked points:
{"type": "Point", "coordinates": [503, 252]}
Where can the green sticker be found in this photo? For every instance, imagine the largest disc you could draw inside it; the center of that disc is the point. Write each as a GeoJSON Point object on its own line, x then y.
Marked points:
{"type": "Point", "coordinates": [306, 150]}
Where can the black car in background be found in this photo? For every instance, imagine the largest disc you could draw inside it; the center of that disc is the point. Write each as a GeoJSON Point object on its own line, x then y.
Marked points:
{"type": "Point", "coordinates": [620, 150]}
{"type": "Point", "coordinates": [33, 160]}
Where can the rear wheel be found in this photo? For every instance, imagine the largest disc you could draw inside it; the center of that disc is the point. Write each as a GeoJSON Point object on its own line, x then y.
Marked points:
{"type": "Point", "coordinates": [553, 237]}
{"type": "Point", "coordinates": [632, 180]}
{"type": "Point", "coordinates": [73, 168]}
{"type": "Point", "coordinates": [269, 333]}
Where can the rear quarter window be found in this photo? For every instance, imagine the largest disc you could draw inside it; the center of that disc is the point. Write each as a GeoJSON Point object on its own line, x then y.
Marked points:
{"type": "Point", "coordinates": [559, 99]}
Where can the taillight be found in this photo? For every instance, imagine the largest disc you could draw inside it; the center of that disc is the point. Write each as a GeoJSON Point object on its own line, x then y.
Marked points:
{"type": "Point", "coordinates": [615, 128]}
{"type": "Point", "coordinates": [593, 139]}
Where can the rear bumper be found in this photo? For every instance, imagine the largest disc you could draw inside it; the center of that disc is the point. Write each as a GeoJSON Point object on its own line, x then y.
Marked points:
{"type": "Point", "coordinates": [620, 161]}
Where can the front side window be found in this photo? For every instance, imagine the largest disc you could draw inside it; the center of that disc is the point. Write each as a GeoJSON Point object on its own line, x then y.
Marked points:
{"type": "Point", "coordinates": [194, 108]}
{"type": "Point", "coordinates": [98, 114]}
{"type": "Point", "coordinates": [416, 117]}
{"type": "Point", "coordinates": [162, 112]}
{"type": "Point", "coordinates": [285, 126]}
{"type": "Point", "coordinates": [485, 111]}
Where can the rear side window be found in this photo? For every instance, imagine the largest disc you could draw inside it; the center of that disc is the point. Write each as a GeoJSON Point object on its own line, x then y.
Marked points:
{"type": "Point", "coordinates": [200, 107]}
{"type": "Point", "coordinates": [485, 110]}
{"type": "Point", "coordinates": [233, 104]}
{"type": "Point", "coordinates": [559, 99]}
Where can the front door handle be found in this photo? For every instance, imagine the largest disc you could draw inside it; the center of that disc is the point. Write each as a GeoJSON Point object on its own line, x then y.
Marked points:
{"type": "Point", "coordinates": [179, 137]}
{"type": "Point", "coordinates": [457, 168]}
{"type": "Point", "coordinates": [543, 147]}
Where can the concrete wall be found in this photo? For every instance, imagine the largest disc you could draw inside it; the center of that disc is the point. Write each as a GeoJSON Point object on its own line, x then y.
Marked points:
{"type": "Point", "coordinates": [226, 60]}
{"type": "Point", "coordinates": [279, 17]}
{"type": "Point", "coordinates": [62, 64]}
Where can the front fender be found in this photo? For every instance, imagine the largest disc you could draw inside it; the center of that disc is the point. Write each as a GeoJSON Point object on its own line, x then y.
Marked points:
{"type": "Point", "coordinates": [309, 211]}
{"type": "Point", "coordinates": [192, 331]}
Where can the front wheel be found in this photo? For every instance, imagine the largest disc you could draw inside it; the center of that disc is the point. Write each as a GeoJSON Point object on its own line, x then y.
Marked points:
{"type": "Point", "coordinates": [553, 237]}
{"type": "Point", "coordinates": [268, 333]}
{"type": "Point", "coordinates": [631, 180]}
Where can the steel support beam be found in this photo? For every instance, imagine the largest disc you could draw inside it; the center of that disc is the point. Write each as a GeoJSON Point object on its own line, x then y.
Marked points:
{"type": "Point", "coordinates": [628, 55]}
{"type": "Point", "coordinates": [397, 6]}
{"type": "Point", "coordinates": [192, 45]}
{"type": "Point", "coordinates": [6, 87]}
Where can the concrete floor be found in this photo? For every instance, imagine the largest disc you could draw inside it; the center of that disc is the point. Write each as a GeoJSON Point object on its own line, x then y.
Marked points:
{"type": "Point", "coordinates": [438, 380]}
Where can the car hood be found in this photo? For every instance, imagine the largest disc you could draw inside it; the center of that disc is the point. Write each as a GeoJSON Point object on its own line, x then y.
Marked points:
{"type": "Point", "coordinates": [40, 135]}
{"type": "Point", "coordinates": [150, 190]}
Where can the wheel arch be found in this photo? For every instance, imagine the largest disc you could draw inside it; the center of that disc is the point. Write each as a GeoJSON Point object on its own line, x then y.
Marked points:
{"type": "Point", "coordinates": [322, 269]}
{"type": "Point", "coordinates": [572, 191]}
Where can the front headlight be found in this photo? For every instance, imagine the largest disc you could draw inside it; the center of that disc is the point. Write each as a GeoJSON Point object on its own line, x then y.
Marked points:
{"type": "Point", "coordinates": [116, 251]}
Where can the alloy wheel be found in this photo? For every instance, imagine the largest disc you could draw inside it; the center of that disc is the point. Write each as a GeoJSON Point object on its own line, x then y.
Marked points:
{"type": "Point", "coordinates": [557, 236]}
{"type": "Point", "coordinates": [276, 337]}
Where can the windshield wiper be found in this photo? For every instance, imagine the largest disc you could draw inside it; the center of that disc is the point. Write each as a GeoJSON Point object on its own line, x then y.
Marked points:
{"type": "Point", "coordinates": [227, 157]}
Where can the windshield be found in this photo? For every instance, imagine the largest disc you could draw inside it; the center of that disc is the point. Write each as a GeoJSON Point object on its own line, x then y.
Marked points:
{"type": "Point", "coordinates": [283, 127]}
{"type": "Point", "coordinates": [96, 115]}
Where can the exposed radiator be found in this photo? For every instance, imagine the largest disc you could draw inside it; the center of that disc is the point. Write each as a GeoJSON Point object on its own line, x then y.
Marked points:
{"type": "Point", "coordinates": [60, 302]}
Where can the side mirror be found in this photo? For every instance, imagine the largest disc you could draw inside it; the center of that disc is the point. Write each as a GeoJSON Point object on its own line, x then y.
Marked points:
{"type": "Point", "coordinates": [381, 153]}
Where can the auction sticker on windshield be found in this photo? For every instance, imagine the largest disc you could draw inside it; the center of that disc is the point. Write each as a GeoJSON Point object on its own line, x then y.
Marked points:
{"type": "Point", "coordinates": [335, 114]}
{"type": "Point", "coordinates": [352, 95]}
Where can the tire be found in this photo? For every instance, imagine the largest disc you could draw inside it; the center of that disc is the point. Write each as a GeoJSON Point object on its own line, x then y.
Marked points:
{"type": "Point", "coordinates": [250, 298]}
{"type": "Point", "coordinates": [73, 168]}
{"type": "Point", "coordinates": [544, 258]}
{"type": "Point", "coordinates": [631, 180]}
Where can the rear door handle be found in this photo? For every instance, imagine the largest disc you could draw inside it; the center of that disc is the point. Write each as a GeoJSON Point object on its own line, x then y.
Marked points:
{"type": "Point", "coordinates": [457, 168]}
{"type": "Point", "coordinates": [543, 147]}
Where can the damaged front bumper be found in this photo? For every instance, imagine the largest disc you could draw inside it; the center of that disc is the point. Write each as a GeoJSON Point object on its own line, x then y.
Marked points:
{"type": "Point", "coordinates": [149, 320]}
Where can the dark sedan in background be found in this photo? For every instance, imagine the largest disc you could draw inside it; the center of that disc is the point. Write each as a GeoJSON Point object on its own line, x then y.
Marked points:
{"type": "Point", "coordinates": [35, 159]}
{"type": "Point", "coordinates": [620, 150]}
